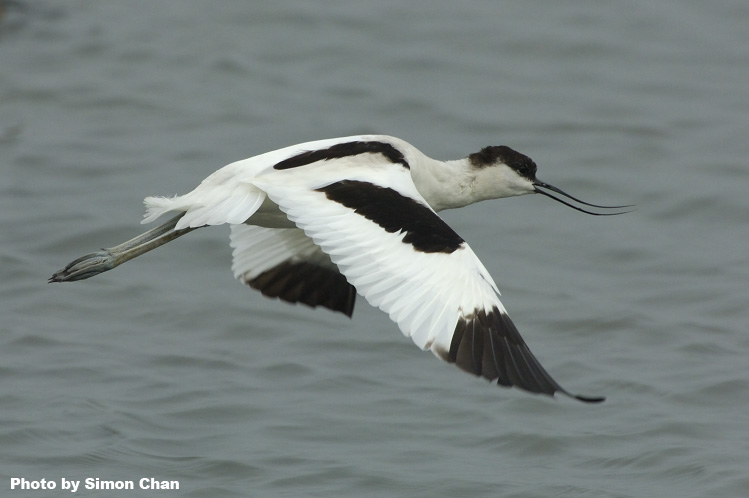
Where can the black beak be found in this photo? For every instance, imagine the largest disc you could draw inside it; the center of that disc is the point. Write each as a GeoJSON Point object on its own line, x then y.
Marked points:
{"type": "Point", "coordinates": [539, 185]}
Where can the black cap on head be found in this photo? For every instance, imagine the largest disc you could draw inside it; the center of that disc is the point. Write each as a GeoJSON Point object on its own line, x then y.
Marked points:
{"type": "Point", "coordinates": [522, 164]}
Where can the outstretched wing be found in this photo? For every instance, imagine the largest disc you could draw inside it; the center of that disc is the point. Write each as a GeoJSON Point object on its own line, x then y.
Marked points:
{"type": "Point", "coordinates": [403, 258]}
{"type": "Point", "coordinates": [285, 263]}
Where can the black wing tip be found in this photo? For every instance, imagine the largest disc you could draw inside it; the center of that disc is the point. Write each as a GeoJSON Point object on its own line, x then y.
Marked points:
{"type": "Point", "coordinates": [589, 399]}
{"type": "Point", "coordinates": [487, 344]}
{"type": "Point", "coordinates": [551, 393]}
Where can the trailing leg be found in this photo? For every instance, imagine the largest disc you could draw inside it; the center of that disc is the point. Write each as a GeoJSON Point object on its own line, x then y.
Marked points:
{"type": "Point", "coordinates": [98, 262]}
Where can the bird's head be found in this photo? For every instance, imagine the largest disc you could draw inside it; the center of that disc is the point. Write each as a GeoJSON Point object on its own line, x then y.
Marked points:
{"type": "Point", "coordinates": [504, 172]}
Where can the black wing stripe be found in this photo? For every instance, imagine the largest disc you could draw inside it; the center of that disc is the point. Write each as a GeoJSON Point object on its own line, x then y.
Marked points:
{"type": "Point", "coordinates": [424, 229]}
{"type": "Point", "coordinates": [307, 283]}
{"type": "Point", "coordinates": [347, 149]}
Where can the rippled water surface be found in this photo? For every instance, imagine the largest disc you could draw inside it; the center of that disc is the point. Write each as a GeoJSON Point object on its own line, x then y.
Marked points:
{"type": "Point", "coordinates": [167, 367]}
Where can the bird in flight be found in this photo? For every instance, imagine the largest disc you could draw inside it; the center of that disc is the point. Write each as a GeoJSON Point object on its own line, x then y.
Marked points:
{"type": "Point", "coordinates": [317, 222]}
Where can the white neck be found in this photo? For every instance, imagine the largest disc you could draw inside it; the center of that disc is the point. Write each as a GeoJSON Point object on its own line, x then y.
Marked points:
{"type": "Point", "coordinates": [445, 184]}
{"type": "Point", "coordinates": [458, 183]}
{"type": "Point", "coordinates": [454, 184]}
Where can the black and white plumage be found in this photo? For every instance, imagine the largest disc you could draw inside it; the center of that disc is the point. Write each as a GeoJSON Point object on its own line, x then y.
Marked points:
{"type": "Point", "coordinates": [315, 223]}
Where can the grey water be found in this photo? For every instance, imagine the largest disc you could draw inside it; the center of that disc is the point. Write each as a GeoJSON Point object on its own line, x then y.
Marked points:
{"type": "Point", "coordinates": [169, 368]}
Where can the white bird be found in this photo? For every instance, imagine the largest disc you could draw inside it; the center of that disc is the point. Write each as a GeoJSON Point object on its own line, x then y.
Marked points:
{"type": "Point", "coordinates": [317, 222]}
